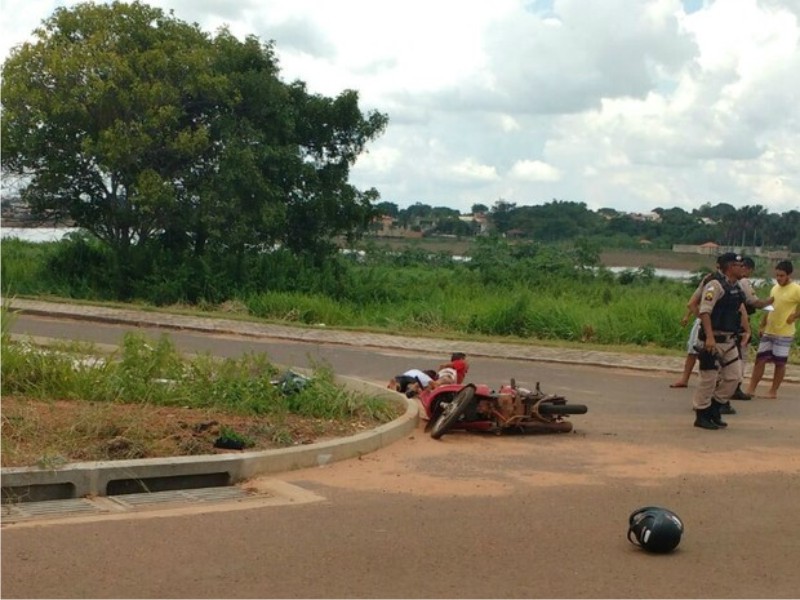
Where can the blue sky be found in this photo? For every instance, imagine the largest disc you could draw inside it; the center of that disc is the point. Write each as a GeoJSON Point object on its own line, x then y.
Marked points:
{"type": "Point", "coordinates": [629, 104]}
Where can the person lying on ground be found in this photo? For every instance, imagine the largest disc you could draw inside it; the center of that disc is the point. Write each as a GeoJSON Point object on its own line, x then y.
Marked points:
{"type": "Point", "coordinates": [413, 380]}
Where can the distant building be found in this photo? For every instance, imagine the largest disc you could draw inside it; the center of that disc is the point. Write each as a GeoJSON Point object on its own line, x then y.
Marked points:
{"type": "Point", "coordinates": [709, 248]}
{"type": "Point", "coordinates": [649, 216]}
{"type": "Point", "coordinates": [386, 226]}
{"type": "Point", "coordinates": [714, 249]}
{"type": "Point", "coordinates": [479, 218]}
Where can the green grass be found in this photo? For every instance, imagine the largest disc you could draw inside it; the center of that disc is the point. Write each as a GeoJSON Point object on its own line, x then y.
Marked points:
{"type": "Point", "coordinates": [154, 373]}
{"type": "Point", "coordinates": [111, 402]}
{"type": "Point", "coordinates": [514, 292]}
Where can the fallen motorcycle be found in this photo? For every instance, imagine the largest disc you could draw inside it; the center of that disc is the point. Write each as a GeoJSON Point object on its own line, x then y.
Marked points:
{"type": "Point", "coordinates": [477, 407]}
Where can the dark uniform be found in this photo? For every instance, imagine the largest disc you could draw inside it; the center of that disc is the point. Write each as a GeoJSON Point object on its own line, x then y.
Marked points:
{"type": "Point", "coordinates": [720, 369]}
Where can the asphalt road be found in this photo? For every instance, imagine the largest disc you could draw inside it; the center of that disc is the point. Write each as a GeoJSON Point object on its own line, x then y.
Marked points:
{"type": "Point", "coordinates": [469, 516]}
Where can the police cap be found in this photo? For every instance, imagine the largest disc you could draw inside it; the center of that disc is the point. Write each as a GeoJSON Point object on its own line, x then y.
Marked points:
{"type": "Point", "coordinates": [728, 258]}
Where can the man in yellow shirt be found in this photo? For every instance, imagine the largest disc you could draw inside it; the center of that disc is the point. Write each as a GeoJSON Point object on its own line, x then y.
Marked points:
{"type": "Point", "coordinates": [777, 329]}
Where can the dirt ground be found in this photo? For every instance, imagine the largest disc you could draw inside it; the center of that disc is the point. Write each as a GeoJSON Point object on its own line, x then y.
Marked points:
{"type": "Point", "coordinates": [46, 434]}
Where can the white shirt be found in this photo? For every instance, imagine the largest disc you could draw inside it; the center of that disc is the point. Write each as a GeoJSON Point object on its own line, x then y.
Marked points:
{"type": "Point", "coordinates": [420, 376]}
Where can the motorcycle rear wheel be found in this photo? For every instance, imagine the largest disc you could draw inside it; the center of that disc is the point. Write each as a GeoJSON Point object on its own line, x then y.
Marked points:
{"type": "Point", "coordinates": [551, 427]}
{"type": "Point", "coordinates": [453, 411]}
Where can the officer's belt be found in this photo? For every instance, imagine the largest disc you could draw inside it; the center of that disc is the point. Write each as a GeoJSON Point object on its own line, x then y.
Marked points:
{"type": "Point", "coordinates": [719, 336]}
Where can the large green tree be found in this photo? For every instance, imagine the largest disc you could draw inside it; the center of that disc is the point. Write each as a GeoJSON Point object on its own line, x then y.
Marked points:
{"type": "Point", "coordinates": [145, 130]}
{"type": "Point", "coordinates": [501, 215]}
{"type": "Point", "coordinates": [554, 221]}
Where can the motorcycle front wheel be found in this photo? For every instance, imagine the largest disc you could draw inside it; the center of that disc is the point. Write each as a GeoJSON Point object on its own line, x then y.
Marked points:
{"type": "Point", "coordinates": [453, 411]}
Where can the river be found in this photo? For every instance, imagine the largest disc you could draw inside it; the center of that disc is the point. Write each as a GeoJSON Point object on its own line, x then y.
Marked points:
{"type": "Point", "coordinates": [36, 234]}
{"type": "Point", "coordinates": [54, 234]}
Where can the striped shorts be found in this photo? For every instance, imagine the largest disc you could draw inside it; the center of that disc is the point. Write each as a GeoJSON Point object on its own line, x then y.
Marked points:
{"type": "Point", "coordinates": [774, 348]}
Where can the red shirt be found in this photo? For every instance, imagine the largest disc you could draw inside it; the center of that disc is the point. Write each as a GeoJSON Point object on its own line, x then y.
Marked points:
{"type": "Point", "coordinates": [461, 367]}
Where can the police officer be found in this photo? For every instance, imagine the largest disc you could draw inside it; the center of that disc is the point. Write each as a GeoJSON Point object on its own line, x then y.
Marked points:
{"type": "Point", "coordinates": [721, 315]}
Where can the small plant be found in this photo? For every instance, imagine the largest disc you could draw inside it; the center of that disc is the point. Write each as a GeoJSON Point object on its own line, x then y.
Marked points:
{"type": "Point", "coordinates": [6, 320]}
{"type": "Point", "coordinates": [281, 436]}
{"type": "Point", "coordinates": [51, 462]}
{"type": "Point", "coordinates": [230, 438]}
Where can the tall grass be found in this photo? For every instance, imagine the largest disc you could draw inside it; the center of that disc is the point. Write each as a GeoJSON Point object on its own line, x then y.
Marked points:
{"type": "Point", "coordinates": [295, 307]}
{"type": "Point", "coordinates": [521, 291]}
{"type": "Point", "coordinates": [154, 373]}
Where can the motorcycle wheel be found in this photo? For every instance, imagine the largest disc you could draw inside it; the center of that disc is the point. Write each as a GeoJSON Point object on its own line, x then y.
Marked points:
{"type": "Point", "coordinates": [546, 408]}
{"type": "Point", "coordinates": [451, 413]}
{"type": "Point", "coordinates": [553, 427]}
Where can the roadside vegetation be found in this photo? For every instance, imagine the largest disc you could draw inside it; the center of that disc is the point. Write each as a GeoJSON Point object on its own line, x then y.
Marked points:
{"type": "Point", "coordinates": [514, 291]}
{"type": "Point", "coordinates": [71, 402]}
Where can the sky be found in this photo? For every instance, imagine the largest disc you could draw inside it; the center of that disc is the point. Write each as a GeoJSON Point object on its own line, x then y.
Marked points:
{"type": "Point", "coordinates": [625, 104]}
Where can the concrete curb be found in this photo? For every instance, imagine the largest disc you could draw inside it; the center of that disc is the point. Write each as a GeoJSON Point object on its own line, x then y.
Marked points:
{"type": "Point", "coordinates": [76, 480]}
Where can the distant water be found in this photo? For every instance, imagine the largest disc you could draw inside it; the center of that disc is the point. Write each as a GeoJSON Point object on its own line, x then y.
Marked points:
{"type": "Point", "coordinates": [668, 273]}
{"type": "Point", "coordinates": [36, 234]}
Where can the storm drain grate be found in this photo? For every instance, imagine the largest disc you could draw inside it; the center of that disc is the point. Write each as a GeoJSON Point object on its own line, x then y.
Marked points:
{"type": "Point", "coordinates": [194, 495]}
{"type": "Point", "coordinates": [50, 507]}
{"type": "Point", "coordinates": [105, 505]}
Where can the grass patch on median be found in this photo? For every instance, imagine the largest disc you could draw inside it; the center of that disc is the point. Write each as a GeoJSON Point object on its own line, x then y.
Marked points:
{"type": "Point", "coordinates": [69, 403]}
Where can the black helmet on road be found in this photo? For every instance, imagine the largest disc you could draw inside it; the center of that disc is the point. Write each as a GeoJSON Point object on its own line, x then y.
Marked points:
{"type": "Point", "coordinates": [655, 529]}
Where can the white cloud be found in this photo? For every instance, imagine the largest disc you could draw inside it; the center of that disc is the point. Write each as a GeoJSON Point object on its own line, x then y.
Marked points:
{"type": "Point", "coordinates": [509, 123]}
{"type": "Point", "coordinates": [382, 160]}
{"type": "Point", "coordinates": [470, 170]}
{"type": "Point", "coordinates": [631, 104]}
{"type": "Point", "coordinates": [534, 170]}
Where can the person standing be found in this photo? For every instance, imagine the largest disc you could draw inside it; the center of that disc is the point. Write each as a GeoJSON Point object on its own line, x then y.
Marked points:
{"type": "Point", "coordinates": [777, 329]}
{"type": "Point", "coordinates": [751, 303]}
{"type": "Point", "coordinates": [721, 310]}
{"type": "Point", "coordinates": [692, 307]}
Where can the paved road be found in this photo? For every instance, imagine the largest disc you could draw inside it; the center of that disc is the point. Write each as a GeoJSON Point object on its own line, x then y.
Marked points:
{"type": "Point", "coordinates": [470, 516]}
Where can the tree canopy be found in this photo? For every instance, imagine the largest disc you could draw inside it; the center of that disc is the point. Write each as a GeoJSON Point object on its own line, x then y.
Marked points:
{"type": "Point", "coordinates": [148, 132]}
{"type": "Point", "coordinates": [564, 221]}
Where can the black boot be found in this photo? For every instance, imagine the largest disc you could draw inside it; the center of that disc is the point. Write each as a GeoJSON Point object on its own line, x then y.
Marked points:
{"type": "Point", "coordinates": [725, 408]}
{"type": "Point", "coordinates": [740, 395]}
{"type": "Point", "coordinates": [703, 418]}
{"type": "Point", "coordinates": [714, 414]}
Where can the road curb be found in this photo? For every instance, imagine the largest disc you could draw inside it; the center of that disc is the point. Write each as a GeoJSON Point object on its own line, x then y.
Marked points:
{"type": "Point", "coordinates": [101, 478]}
